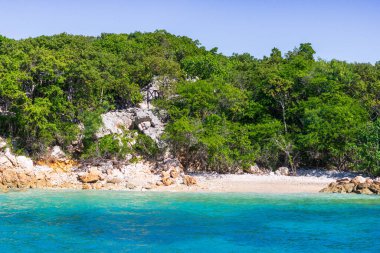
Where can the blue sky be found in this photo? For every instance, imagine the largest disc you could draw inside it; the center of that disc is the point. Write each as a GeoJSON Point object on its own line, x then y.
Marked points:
{"type": "Point", "coordinates": [341, 29]}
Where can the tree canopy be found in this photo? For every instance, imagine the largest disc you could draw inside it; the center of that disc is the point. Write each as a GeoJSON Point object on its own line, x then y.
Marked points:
{"type": "Point", "coordinates": [223, 113]}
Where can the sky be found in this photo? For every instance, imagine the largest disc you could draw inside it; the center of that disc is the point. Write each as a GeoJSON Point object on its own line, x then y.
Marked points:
{"type": "Point", "coordinates": [338, 29]}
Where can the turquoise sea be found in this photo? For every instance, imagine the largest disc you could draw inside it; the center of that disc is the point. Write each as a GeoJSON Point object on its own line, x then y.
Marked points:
{"type": "Point", "coordinates": [101, 221]}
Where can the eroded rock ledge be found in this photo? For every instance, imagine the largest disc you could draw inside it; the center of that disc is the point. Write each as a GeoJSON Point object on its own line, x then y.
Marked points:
{"type": "Point", "coordinates": [359, 185]}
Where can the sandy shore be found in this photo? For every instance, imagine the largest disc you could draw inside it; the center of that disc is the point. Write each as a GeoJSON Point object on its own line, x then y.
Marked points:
{"type": "Point", "coordinates": [254, 183]}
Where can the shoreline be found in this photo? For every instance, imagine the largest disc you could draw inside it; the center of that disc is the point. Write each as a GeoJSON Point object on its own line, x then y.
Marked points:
{"type": "Point", "coordinates": [248, 183]}
{"type": "Point", "coordinates": [227, 183]}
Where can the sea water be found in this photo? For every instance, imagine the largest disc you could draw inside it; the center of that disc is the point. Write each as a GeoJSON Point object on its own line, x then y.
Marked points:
{"type": "Point", "coordinates": [102, 221]}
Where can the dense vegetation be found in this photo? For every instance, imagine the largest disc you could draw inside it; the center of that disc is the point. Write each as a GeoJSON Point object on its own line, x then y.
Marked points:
{"type": "Point", "coordinates": [224, 113]}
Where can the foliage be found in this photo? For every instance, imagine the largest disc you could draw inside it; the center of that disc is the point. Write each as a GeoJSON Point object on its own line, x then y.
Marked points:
{"type": "Point", "coordinates": [223, 113]}
{"type": "Point", "coordinates": [146, 147]}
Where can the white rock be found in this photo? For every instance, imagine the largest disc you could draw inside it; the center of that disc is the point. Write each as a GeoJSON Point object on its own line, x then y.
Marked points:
{"type": "Point", "coordinates": [25, 162]}
{"type": "Point", "coordinates": [3, 143]}
{"type": "Point", "coordinates": [115, 123]}
{"type": "Point", "coordinates": [57, 153]}
{"type": "Point", "coordinates": [282, 171]}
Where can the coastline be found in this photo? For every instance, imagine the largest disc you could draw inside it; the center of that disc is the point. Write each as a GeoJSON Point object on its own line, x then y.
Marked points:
{"type": "Point", "coordinates": [249, 183]}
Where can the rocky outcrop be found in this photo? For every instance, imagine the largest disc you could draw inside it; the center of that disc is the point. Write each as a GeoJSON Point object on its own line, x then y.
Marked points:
{"type": "Point", "coordinates": [115, 123]}
{"type": "Point", "coordinates": [359, 185]}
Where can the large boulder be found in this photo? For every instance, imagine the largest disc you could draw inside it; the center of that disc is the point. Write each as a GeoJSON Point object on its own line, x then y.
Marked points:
{"type": "Point", "coordinates": [167, 181]}
{"type": "Point", "coordinates": [24, 162]}
{"type": "Point", "coordinates": [189, 180]}
{"type": "Point", "coordinates": [115, 123]}
{"type": "Point", "coordinates": [358, 180]}
{"type": "Point", "coordinates": [92, 176]}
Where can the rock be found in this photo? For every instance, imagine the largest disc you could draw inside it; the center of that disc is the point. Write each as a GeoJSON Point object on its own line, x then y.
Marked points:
{"type": "Point", "coordinates": [92, 176]}
{"type": "Point", "coordinates": [364, 191]}
{"type": "Point", "coordinates": [115, 123]}
{"type": "Point", "coordinates": [97, 186]}
{"type": "Point", "coordinates": [189, 180]}
{"type": "Point", "coordinates": [114, 180]}
{"type": "Point", "coordinates": [9, 178]}
{"type": "Point", "coordinates": [56, 153]}
{"type": "Point", "coordinates": [359, 185]}
{"type": "Point", "coordinates": [358, 180]}
{"type": "Point", "coordinates": [165, 174]}
{"type": "Point", "coordinates": [282, 171]}
{"type": "Point", "coordinates": [344, 180]}
{"type": "Point", "coordinates": [174, 174]}
{"type": "Point", "coordinates": [152, 125]}
{"type": "Point", "coordinates": [3, 143]}
{"type": "Point", "coordinates": [362, 186]}
{"type": "Point", "coordinates": [349, 187]}
{"type": "Point", "coordinates": [167, 181]}
{"type": "Point", "coordinates": [24, 162]}
{"type": "Point", "coordinates": [5, 163]}
{"type": "Point", "coordinates": [86, 187]}
{"type": "Point", "coordinates": [130, 186]}
{"type": "Point", "coordinates": [254, 169]}
{"type": "Point", "coordinates": [375, 188]}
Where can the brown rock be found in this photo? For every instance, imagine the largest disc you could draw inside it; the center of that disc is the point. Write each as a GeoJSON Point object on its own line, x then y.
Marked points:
{"type": "Point", "coordinates": [362, 186]}
{"type": "Point", "coordinates": [358, 180]}
{"type": "Point", "coordinates": [97, 186]}
{"type": "Point", "coordinates": [345, 180]}
{"type": "Point", "coordinates": [165, 174]}
{"type": "Point", "coordinates": [92, 176]}
{"type": "Point", "coordinates": [10, 178]}
{"type": "Point", "coordinates": [114, 180]}
{"type": "Point", "coordinates": [174, 174]}
{"type": "Point", "coordinates": [167, 181]}
{"type": "Point", "coordinates": [23, 180]}
{"type": "Point", "coordinates": [86, 186]}
{"type": "Point", "coordinates": [349, 187]}
{"type": "Point", "coordinates": [130, 186]}
{"type": "Point", "coordinates": [364, 191]}
{"type": "Point", "coordinates": [375, 188]}
{"type": "Point", "coordinates": [189, 180]}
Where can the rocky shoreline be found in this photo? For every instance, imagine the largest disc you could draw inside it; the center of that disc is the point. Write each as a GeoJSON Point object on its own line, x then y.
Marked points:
{"type": "Point", "coordinates": [57, 171]}
{"type": "Point", "coordinates": [359, 185]}
{"type": "Point", "coordinates": [20, 172]}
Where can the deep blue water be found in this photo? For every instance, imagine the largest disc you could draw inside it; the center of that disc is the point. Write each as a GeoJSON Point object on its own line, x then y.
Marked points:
{"type": "Point", "coordinates": [97, 221]}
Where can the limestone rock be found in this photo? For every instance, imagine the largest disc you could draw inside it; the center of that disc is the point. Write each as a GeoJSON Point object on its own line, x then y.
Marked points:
{"type": "Point", "coordinates": [174, 174]}
{"type": "Point", "coordinates": [57, 153]}
{"type": "Point", "coordinates": [359, 185]}
{"type": "Point", "coordinates": [189, 180]}
{"type": "Point", "coordinates": [167, 181]}
{"type": "Point", "coordinates": [165, 174]}
{"type": "Point", "coordinates": [254, 169]}
{"type": "Point", "coordinates": [282, 171]}
{"type": "Point", "coordinates": [24, 162]}
{"type": "Point", "coordinates": [3, 143]}
{"type": "Point", "coordinates": [115, 123]}
{"type": "Point", "coordinates": [358, 179]}
{"type": "Point", "coordinates": [92, 176]}
{"type": "Point", "coordinates": [130, 186]}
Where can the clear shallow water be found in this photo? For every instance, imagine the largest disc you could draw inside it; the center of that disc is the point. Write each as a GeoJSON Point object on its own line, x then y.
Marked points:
{"type": "Point", "coordinates": [97, 221]}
